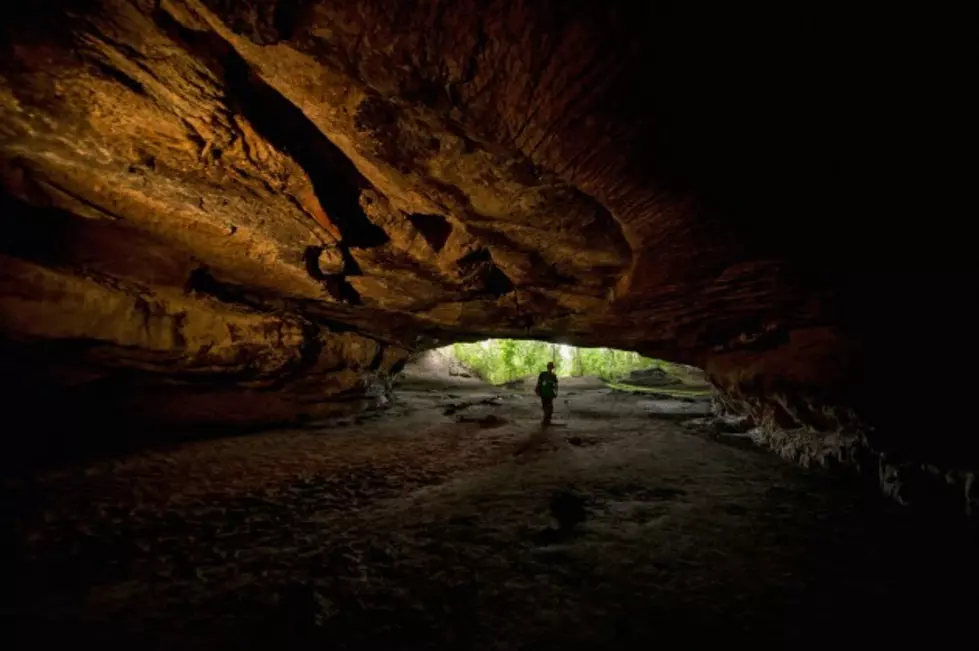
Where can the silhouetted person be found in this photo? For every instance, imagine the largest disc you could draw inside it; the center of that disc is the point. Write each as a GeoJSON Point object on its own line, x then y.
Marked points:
{"type": "Point", "coordinates": [547, 390]}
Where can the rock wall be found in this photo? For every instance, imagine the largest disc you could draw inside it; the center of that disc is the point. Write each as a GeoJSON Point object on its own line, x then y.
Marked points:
{"type": "Point", "coordinates": [895, 419]}
{"type": "Point", "coordinates": [88, 357]}
{"type": "Point", "coordinates": [249, 212]}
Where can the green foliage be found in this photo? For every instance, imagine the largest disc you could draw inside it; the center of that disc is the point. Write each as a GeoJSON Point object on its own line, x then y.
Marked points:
{"type": "Point", "coordinates": [503, 360]}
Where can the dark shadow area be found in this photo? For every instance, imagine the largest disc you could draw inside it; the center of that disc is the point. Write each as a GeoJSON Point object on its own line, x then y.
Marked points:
{"type": "Point", "coordinates": [434, 228]}
{"type": "Point", "coordinates": [335, 283]}
{"type": "Point", "coordinates": [203, 281]}
{"type": "Point", "coordinates": [48, 428]}
{"type": "Point", "coordinates": [417, 529]}
{"type": "Point", "coordinates": [39, 234]}
{"type": "Point", "coordinates": [69, 401]}
{"type": "Point", "coordinates": [483, 275]}
{"type": "Point", "coordinates": [49, 424]}
{"type": "Point", "coordinates": [498, 283]}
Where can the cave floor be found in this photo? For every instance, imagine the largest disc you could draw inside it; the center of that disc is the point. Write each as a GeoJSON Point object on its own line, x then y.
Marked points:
{"type": "Point", "coordinates": [418, 529]}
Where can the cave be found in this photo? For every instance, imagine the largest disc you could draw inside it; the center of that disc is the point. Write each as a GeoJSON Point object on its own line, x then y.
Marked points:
{"type": "Point", "coordinates": [236, 237]}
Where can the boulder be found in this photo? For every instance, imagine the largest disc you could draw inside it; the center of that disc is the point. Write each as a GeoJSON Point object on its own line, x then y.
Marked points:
{"type": "Point", "coordinates": [651, 377]}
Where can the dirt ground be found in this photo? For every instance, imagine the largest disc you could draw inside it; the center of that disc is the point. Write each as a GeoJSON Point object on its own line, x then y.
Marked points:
{"type": "Point", "coordinates": [453, 521]}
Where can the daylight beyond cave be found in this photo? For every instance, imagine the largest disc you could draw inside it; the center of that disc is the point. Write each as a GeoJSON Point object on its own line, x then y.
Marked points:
{"type": "Point", "coordinates": [503, 360]}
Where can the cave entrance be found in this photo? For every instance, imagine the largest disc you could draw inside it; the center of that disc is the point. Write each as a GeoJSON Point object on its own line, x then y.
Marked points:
{"type": "Point", "coordinates": [506, 361]}
{"type": "Point", "coordinates": [468, 381]}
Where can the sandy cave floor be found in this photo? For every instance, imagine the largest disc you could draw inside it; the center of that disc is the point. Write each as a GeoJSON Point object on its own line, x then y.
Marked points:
{"type": "Point", "coordinates": [429, 526]}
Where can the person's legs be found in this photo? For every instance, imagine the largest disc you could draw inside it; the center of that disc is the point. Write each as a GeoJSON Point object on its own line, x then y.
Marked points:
{"type": "Point", "coordinates": [548, 405]}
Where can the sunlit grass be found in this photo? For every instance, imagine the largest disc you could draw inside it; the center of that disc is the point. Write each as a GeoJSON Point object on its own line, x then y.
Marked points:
{"type": "Point", "coordinates": [671, 391]}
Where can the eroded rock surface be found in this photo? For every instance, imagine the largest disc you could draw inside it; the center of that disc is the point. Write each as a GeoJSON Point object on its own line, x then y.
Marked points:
{"type": "Point", "coordinates": [253, 211]}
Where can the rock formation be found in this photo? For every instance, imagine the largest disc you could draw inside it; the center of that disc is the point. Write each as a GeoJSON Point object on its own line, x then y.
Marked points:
{"type": "Point", "coordinates": [251, 212]}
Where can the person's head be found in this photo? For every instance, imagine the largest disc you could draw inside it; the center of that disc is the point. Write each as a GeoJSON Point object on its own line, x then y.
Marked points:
{"type": "Point", "coordinates": [550, 366]}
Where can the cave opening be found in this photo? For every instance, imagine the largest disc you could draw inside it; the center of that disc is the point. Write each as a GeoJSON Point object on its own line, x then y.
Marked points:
{"type": "Point", "coordinates": [499, 361]}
